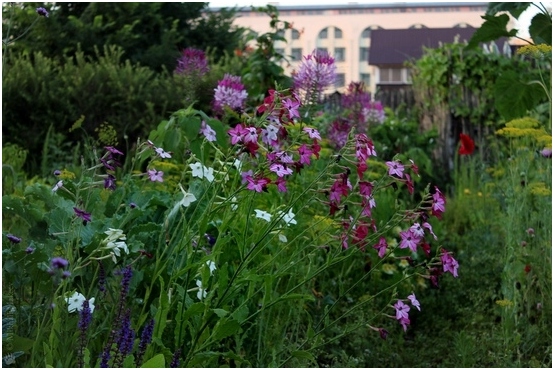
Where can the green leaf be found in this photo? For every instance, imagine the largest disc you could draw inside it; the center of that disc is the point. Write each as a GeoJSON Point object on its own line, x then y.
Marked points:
{"type": "Point", "coordinates": [220, 312]}
{"type": "Point", "coordinates": [492, 29]}
{"type": "Point", "coordinates": [157, 361]}
{"type": "Point", "coordinates": [195, 309]}
{"type": "Point", "coordinates": [304, 355]}
{"type": "Point", "coordinates": [21, 344]}
{"type": "Point", "coordinates": [514, 97]}
{"type": "Point", "coordinates": [515, 9]}
{"type": "Point", "coordinates": [225, 328]}
{"type": "Point", "coordinates": [190, 126]}
{"type": "Point", "coordinates": [130, 361]}
{"type": "Point", "coordinates": [541, 29]}
{"type": "Point", "coordinates": [222, 138]}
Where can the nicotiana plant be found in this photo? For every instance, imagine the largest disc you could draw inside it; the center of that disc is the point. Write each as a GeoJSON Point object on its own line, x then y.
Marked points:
{"type": "Point", "coordinates": [179, 256]}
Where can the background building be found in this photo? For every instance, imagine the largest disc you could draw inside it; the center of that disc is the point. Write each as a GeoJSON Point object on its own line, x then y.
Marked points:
{"type": "Point", "coordinates": [345, 32]}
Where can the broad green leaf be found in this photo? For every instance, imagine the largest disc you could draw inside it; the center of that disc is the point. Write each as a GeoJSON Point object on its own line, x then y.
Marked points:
{"type": "Point", "coordinates": [157, 361]}
{"type": "Point", "coordinates": [220, 312]}
{"type": "Point", "coordinates": [515, 9]}
{"type": "Point", "coordinates": [514, 97]}
{"type": "Point", "coordinates": [541, 29]}
{"type": "Point", "coordinates": [492, 29]}
{"type": "Point", "coordinates": [225, 328]}
{"type": "Point", "coordinates": [221, 133]}
{"type": "Point", "coordinates": [240, 314]}
{"type": "Point", "coordinates": [21, 344]}
{"type": "Point", "coordinates": [195, 309]}
{"type": "Point", "coordinates": [190, 126]}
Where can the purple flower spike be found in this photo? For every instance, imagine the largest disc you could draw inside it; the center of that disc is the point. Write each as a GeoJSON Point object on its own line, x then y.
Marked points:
{"type": "Point", "coordinates": [14, 239]}
{"type": "Point", "coordinates": [59, 263]}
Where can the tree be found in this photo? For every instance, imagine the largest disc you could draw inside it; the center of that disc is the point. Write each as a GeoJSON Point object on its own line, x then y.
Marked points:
{"type": "Point", "coordinates": [151, 34]}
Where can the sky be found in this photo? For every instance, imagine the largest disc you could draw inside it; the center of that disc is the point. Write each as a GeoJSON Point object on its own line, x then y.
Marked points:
{"type": "Point", "coordinates": [523, 21]}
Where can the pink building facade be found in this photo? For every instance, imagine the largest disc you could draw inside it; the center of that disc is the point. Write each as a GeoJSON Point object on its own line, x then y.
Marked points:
{"type": "Point", "coordinates": [344, 31]}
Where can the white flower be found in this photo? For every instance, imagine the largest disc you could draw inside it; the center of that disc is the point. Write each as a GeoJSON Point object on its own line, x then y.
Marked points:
{"type": "Point", "coordinates": [162, 153]}
{"type": "Point", "coordinates": [289, 218]}
{"type": "Point", "coordinates": [114, 234]}
{"type": "Point", "coordinates": [234, 205]}
{"type": "Point", "coordinates": [116, 246]}
{"type": "Point", "coordinates": [209, 173]}
{"type": "Point", "coordinates": [211, 266]}
{"type": "Point", "coordinates": [202, 293]}
{"type": "Point", "coordinates": [238, 164]}
{"type": "Point", "coordinates": [200, 171]}
{"type": "Point", "coordinates": [283, 238]}
{"type": "Point", "coordinates": [263, 215]}
{"type": "Point", "coordinates": [76, 301]}
{"type": "Point", "coordinates": [58, 185]}
{"type": "Point", "coordinates": [188, 198]}
{"type": "Point", "coordinates": [197, 170]}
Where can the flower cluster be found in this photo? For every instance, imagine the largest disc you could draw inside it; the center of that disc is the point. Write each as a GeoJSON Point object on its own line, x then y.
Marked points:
{"type": "Point", "coordinates": [153, 174]}
{"type": "Point", "coordinates": [402, 310]}
{"type": "Point", "coordinates": [317, 72]}
{"type": "Point", "coordinates": [396, 170]}
{"type": "Point", "coordinates": [57, 265]}
{"type": "Point", "coordinates": [115, 243]}
{"type": "Point", "coordinates": [192, 62]}
{"type": "Point", "coordinates": [272, 139]}
{"type": "Point", "coordinates": [229, 92]}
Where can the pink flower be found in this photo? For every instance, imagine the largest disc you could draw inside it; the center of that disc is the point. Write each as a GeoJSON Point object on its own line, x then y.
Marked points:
{"type": "Point", "coordinates": [207, 131]}
{"type": "Point", "coordinates": [439, 203]}
{"type": "Point", "coordinates": [155, 175]}
{"type": "Point", "coordinates": [192, 61]}
{"type": "Point", "coordinates": [280, 170]}
{"type": "Point", "coordinates": [229, 92]}
{"type": "Point", "coordinates": [409, 240]}
{"type": "Point", "coordinates": [237, 133]}
{"type": "Point", "coordinates": [417, 230]}
{"type": "Point", "coordinates": [449, 264]}
{"type": "Point", "coordinates": [317, 72]}
{"type": "Point", "coordinates": [257, 185]}
{"type": "Point", "coordinates": [251, 135]}
{"type": "Point", "coordinates": [292, 108]}
{"type": "Point", "coordinates": [414, 301]}
{"type": "Point", "coordinates": [395, 168]}
{"type": "Point", "coordinates": [401, 310]}
{"type": "Point", "coordinates": [162, 153]}
{"type": "Point", "coordinates": [281, 184]}
{"type": "Point", "coordinates": [381, 247]}
{"type": "Point", "coordinates": [312, 133]}
{"type": "Point", "coordinates": [305, 154]}
{"type": "Point", "coordinates": [430, 228]}
{"type": "Point", "coordinates": [365, 188]}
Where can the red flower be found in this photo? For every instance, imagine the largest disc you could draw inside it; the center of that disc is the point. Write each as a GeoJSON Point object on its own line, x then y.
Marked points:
{"type": "Point", "coordinates": [467, 146]}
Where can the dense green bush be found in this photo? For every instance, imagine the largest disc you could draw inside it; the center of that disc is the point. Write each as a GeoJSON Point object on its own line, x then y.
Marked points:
{"type": "Point", "coordinates": [40, 93]}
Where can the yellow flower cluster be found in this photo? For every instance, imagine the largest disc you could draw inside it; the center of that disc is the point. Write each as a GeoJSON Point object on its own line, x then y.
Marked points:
{"type": "Point", "coordinates": [66, 175]}
{"type": "Point", "coordinates": [535, 51]}
{"type": "Point", "coordinates": [504, 302]}
{"type": "Point", "coordinates": [526, 127]}
{"type": "Point", "coordinates": [539, 188]}
{"type": "Point", "coordinates": [106, 134]}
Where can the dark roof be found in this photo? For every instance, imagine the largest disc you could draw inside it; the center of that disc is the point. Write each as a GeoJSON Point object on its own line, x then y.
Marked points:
{"type": "Point", "coordinates": [397, 46]}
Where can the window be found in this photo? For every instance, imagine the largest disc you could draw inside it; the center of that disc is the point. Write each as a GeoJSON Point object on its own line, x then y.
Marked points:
{"type": "Point", "coordinates": [338, 33]}
{"type": "Point", "coordinates": [323, 34]}
{"type": "Point", "coordinates": [296, 53]}
{"type": "Point", "coordinates": [364, 55]}
{"type": "Point", "coordinates": [295, 34]}
{"type": "Point", "coordinates": [367, 33]}
{"type": "Point", "coordinates": [340, 54]}
{"type": "Point", "coordinates": [390, 75]}
{"type": "Point", "coordinates": [322, 51]}
{"type": "Point", "coordinates": [281, 33]}
{"type": "Point", "coordinates": [339, 81]}
{"type": "Point", "coordinates": [365, 78]}
{"type": "Point", "coordinates": [280, 51]}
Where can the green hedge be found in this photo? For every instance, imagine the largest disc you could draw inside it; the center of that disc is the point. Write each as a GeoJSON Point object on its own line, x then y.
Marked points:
{"type": "Point", "coordinates": [40, 93]}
